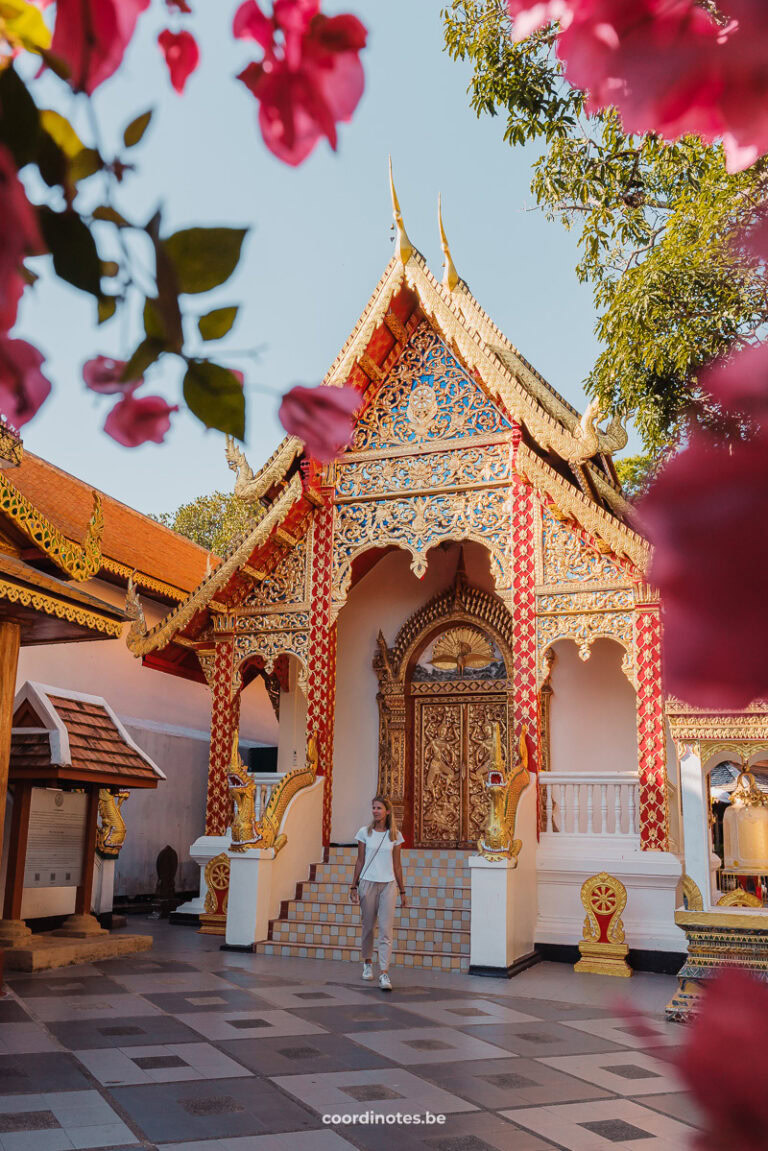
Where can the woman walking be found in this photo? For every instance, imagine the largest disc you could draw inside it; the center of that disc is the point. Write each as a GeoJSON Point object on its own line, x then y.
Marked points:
{"type": "Point", "coordinates": [378, 877]}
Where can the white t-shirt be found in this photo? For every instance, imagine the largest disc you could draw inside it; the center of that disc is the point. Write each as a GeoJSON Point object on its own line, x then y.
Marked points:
{"type": "Point", "coordinates": [378, 855]}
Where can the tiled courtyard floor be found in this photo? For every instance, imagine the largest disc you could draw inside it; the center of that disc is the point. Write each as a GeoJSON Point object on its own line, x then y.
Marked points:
{"type": "Point", "coordinates": [188, 1048]}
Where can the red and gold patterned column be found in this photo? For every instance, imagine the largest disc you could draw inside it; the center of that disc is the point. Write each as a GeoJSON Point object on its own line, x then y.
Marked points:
{"type": "Point", "coordinates": [651, 737]}
{"type": "Point", "coordinates": [225, 717]}
{"type": "Point", "coordinates": [522, 546]}
{"type": "Point", "coordinates": [321, 659]}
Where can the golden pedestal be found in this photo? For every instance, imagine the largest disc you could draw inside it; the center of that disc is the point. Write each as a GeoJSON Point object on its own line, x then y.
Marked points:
{"type": "Point", "coordinates": [603, 950]}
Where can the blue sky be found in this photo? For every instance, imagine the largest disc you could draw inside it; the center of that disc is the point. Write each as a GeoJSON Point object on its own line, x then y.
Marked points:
{"type": "Point", "coordinates": [320, 238]}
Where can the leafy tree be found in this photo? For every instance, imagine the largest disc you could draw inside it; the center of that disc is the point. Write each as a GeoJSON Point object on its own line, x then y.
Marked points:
{"type": "Point", "coordinates": [635, 474]}
{"type": "Point", "coordinates": [212, 521]}
{"type": "Point", "coordinates": [659, 224]}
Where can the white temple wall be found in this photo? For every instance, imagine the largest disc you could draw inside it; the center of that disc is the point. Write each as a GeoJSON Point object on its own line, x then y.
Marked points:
{"type": "Point", "coordinates": [382, 601]}
{"type": "Point", "coordinates": [292, 734]}
{"type": "Point", "coordinates": [593, 724]}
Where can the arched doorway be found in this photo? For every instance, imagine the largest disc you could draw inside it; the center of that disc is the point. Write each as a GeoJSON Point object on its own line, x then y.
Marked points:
{"type": "Point", "coordinates": [456, 691]}
{"type": "Point", "coordinates": [443, 686]}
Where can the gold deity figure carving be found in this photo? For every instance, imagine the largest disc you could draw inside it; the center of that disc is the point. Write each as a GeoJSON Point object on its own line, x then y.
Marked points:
{"type": "Point", "coordinates": [110, 834]}
{"type": "Point", "coordinates": [242, 791]}
{"type": "Point", "coordinates": [504, 790]}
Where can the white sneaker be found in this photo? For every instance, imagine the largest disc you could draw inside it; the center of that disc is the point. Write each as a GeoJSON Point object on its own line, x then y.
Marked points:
{"type": "Point", "coordinates": [385, 983]}
{"type": "Point", "coordinates": [368, 971]}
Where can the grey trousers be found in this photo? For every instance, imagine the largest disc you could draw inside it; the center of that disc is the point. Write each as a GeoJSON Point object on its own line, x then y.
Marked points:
{"type": "Point", "coordinates": [377, 901]}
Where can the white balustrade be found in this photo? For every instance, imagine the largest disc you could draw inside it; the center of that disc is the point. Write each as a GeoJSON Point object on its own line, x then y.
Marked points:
{"type": "Point", "coordinates": [266, 782]}
{"type": "Point", "coordinates": [600, 804]}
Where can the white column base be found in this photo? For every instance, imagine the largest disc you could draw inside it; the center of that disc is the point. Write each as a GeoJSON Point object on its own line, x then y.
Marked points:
{"type": "Point", "coordinates": [565, 862]}
{"type": "Point", "coordinates": [250, 896]}
{"type": "Point", "coordinates": [203, 850]}
{"type": "Point", "coordinates": [503, 915]}
{"type": "Point", "coordinates": [103, 896]}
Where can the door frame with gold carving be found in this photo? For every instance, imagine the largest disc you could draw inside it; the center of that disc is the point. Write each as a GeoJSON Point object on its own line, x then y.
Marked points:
{"type": "Point", "coordinates": [463, 604]}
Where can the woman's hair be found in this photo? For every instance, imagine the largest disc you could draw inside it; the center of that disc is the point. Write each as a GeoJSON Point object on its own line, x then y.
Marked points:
{"type": "Point", "coordinates": [390, 820]}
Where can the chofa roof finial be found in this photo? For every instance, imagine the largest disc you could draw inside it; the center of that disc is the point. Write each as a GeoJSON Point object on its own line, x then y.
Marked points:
{"type": "Point", "coordinates": [450, 275]}
{"type": "Point", "coordinates": [403, 245]}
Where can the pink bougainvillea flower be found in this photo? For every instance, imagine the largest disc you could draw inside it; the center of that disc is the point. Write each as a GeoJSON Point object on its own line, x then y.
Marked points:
{"type": "Point", "coordinates": [733, 1018]}
{"type": "Point", "coordinates": [91, 36]}
{"type": "Point", "coordinates": [178, 6]}
{"type": "Point", "coordinates": [323, 417]}
{"type": "Point", "coordinates": [310, 78]}
{"type": "Point", "coordinates": [20, 237]}
{"type": "Point", "coordinates": [135, 421]}
{"type": "Point", "coordinates": [23, 387]}
{"type": "Point", "coordinates": [528, 17]}
{"type": "Point", "coordinates": [182, 56]}
{"type": "Point", "coordinates": [701, 516]}
{"type": "Point", "coordinates": [102, 375]}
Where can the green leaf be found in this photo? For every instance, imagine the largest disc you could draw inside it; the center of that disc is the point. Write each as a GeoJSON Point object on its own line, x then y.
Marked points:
{"type": "Point", "coordinates": [82, 161]}
{"type": "Point", "coordinates": [147, 352]}
{"type": "Point", "coordinates": [75, 257]}
{"type": "Point", "coordinates": [153, 323]}
{"type": "Point", "coordinates": [20, 120]}
{"type": "Point", "coordinates": [25, 22]}
{"type": "Point", "coordinates": [204, 257]}
{"type": "Point", "coordinates": [136, 129]}
{"type": "Point", "coordinates": [166, 306]}
{"type": "Point", "coordinates": [217, 323]}
{"type": "Point", "coordinates": [107, 308]}
{"type": "Point", "coordinates": [213, 394]}
{"type": "Point", "coordinates": [61, 130]}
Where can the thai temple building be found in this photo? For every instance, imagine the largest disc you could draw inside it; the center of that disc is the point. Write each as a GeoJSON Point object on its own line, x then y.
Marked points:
{"type": "Point", "coordinates": [455, 613]}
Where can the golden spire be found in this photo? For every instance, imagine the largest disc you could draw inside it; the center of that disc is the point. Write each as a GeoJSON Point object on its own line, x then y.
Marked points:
{"type": "Point", "coordinates": [404, 246]}
{"type": "Point", "coordinates": [450, 275]}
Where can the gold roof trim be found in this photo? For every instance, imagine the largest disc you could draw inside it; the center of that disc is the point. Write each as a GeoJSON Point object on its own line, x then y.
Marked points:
{"type": "Point", "coordinates": [49, 605]}
{"type": "Point", "coordinates": [594, 519]}
{"type": "Point", "coordinates": [519, 390]}
{"type": "Point", "coordinates": [450, 275]}
{"type": "Point", "coordinates": [11, 446]}
{"type": "Point", "coordinates": [149, 583]}
{"type": "Point", "coordinates": [141, 640]}
{"type": "Point", "coordinates": [252, 486]}
{"type": "Point", "coordinates": [80, 562]}
{"type": "Point", "coordinates": [403, 246]}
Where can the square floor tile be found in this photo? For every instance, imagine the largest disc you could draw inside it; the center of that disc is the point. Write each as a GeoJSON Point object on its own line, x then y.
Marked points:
{"type": "Point", "coordinates": [83, 1035]}
{"type": "Point", "coordinates": [44, 1071]}
{"type": "Point", "coordinates": [55, 1009]}
{"type": "Point", "coordinates": [385, 1092]}
{"type": "Point", "coordinates": [225, 999]}
{"type": "Point", "coordinates": [324, 1140]}
{"type": "Point", "coordinates": [245, 977]}
{"type": "Point", "coordinates": [552, 1009]}
{"type": "Point", "coordinates": [472, 1131]}
{"type": "Point", "coordinates": [466, 1012]}
{"type": "Point", "coordinates": [502, 1083]}
{"type": "Point", "coordinates": [43, 986]}
{"type": "Point", "coordinates": [600, 1126]}
{"type": "Point", "coordinates": [540, 1038]}
{"type": "Point", "coordinates": [12, 1012]}
{"type": "Point", "coordinates": [188, 982]}
{"type": "Point", "coordinates": [293, 1055]}
{"type": "Point", "coordinates": [137, 965]}
{"type": "Point", "coordinates": [421, 1045]}
{"type": "Point", "coordinates": [370, 1015]}
{"type": "Point", "coordinates": [679, 1105]}
{"type": "Point", "coordinates": [314, 995]}
{"type": "Point", "coordinates": [223, 1109]}
{"type": "Point", "coordinates": [623, 1072]}
{"type": "Point", "coordinates": [25, 1039]}
{"type": "Point", "coordinates": [618, 1030]}
{"type": "Point", "coordinates": [247, 1024]}
{"type": "Point", "coordinates": [171, 1063]}
{"type": "Point", "coordinates": [60, 1121]}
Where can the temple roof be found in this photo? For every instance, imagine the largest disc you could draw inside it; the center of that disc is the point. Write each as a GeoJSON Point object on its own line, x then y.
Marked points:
{"type": "Point", "coordinates": [62, 522]}
{"type": "Point", "coordinates": [564, 455]}
{"type": "Point", "coordinates": [65, 735]}
{"type": "Point", "coordinates": [51, 610]}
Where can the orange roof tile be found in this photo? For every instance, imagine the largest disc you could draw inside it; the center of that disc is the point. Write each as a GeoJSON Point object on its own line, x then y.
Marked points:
{"type": "Point", "coordinates": [130, 539]}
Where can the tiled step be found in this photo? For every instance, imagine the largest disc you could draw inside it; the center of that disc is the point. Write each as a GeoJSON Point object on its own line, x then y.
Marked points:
{"type": "Point", "coordinates": [433, 959]}
{"type": "Point", "coordinates": [348, 935]}
{"type": "Point", "coordinates": [435, 918]}
{"type": "Point", "coordinates": [433, 931]}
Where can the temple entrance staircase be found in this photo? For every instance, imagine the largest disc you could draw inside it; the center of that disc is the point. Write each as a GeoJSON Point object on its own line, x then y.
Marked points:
{"type": "Point", "coordinates": [321, 923]}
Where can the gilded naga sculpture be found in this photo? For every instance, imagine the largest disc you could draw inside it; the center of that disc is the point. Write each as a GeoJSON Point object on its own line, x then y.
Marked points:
{"type": "Point", "coordinates": [110, 834]}
{"type": "Point", "coordinates": [504, 791]}
{"type": "Point", "coordinates": [247, 832]}
{"type": "Point", "coordinates": [243, 794]}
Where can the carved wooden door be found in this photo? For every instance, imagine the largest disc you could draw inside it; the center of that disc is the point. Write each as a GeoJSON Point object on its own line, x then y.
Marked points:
{"type": "Point", "coordinates": [453, 744]}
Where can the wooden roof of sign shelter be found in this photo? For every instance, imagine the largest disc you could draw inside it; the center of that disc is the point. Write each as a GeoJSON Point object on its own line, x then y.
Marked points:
{"type": "Point", "coordinates": [65, 736]}
{"type": "Point", "coordinates": [564, 455]}
{"type": "Point", "coordinates": [51, 610]}
{"type": "Point", "coordinates": [62, 525]}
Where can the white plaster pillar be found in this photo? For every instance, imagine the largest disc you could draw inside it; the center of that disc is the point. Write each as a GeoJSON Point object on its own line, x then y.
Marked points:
{"type": "Point", "coordinates": [204, 849]}
{"type": "Point", "coordinates": [503, 916]}
{"type": "Point", "coordinates": [696, 837]}
{"type": "Point", "coordinates": [103, 896]}
{"type": "Point", "coordinates": [250, 896]}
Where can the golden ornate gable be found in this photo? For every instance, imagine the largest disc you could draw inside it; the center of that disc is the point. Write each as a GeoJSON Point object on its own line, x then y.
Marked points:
{"type": "Point", "coordinates": [427, 397]}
